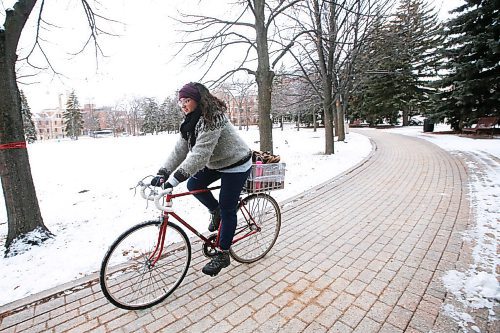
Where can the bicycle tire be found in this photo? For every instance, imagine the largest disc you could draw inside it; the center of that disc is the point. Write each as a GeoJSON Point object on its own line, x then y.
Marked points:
{"type": "Point", "coordinates": [127, 278]}
{"type": "Point", "coordinates": [249, 244]}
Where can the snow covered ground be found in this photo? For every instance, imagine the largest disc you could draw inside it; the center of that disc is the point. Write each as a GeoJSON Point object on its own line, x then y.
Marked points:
{"type": "Point", "coordinates": [84, 192]}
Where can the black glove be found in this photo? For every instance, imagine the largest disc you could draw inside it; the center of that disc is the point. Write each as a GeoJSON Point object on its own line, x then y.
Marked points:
{"type": "Point", "coordinates": [161, 177]}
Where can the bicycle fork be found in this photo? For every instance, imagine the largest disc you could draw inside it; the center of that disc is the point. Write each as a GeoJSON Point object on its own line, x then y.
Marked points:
{"type": "Point", "coordinates": [159, 244]}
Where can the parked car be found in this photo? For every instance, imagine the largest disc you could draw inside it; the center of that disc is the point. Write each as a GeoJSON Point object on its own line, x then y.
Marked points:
{"type": "Point", "coordinates": [414, 121]}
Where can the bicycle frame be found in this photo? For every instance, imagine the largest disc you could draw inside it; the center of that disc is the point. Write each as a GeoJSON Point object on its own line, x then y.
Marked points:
{"type": "Point", "coordinates": [213, 244]}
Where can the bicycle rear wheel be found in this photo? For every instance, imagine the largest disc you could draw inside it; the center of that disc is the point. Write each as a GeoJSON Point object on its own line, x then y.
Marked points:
{"type": "Point", "coordinates": [129, 277]}
{"type": "Point", "coordinates": [259, 223]}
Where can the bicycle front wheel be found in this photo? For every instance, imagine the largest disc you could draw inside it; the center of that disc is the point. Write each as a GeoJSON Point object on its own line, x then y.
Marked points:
{"type": "Point", "coordinates": [259, 223]}
{"type": "Point", "coordinates": [134, 276]}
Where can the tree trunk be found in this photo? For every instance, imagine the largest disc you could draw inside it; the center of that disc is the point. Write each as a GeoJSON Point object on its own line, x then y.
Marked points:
{"type": "Point", "coordinates": [345, 108]}
{"type": "Point", "coordinates": [264, 105]}
{"type": "Point", "coordinates": [23, 211]}
{"type": "Point", "coordinates": [405, 117]}
{"type": "Point", "coordinates": [239, 118]}
{"type": "Point", "coordinates": [247, 119]}
{"type": "Point", "coordinates": [264, 77]}
{"type": "Point", "coordinates": [329, 137]}
{"type": "Point", "coordinates": [326, 66]}
{"type": "Point", "coordinates": [335, 118]}
{"type": "Point", "coordinates": [340, 120]}
{"type": "Point", "coordinates": [315, 124]}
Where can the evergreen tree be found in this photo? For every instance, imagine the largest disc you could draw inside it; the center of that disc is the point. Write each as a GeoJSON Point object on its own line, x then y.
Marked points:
{"type": "Point", "coordinates": [28, 124]}
{"type": "Point", "coordinates": [73, 118]}
{"type": "Point", "coordinates": [395, 68]}
{"type": "Point", "coordinates": [469, 87]}
{"type": "Point", "coordinates": [151, 122]}
{"type": "Point", "coordinates": [173, 115]}
{"type": "Point", "coordinates": [163, 116]}
{"type": "Point", "coordinates": [374, 72]}
{"type": "Point", "coordinates": [418, 34]}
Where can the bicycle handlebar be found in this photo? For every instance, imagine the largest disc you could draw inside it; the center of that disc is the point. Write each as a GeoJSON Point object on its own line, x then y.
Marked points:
{"type": "Point", "coordinates": [155, 196]}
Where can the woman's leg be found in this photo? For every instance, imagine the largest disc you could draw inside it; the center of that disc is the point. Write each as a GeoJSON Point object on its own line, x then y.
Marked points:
{"type": "Point", "coordinates": [201, 180]}
{"type": "Point", "coordinates": [231, 185]}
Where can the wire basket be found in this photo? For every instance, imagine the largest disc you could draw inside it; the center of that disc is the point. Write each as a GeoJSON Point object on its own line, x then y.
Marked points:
{"type": "Point", "coordinates": [265, 177]}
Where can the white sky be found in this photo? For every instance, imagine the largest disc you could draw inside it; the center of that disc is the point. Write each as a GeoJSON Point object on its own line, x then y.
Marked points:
{"type": "Point", "coordinates": [139, 63]}
{"type": "Point", "coordinates": [88, 190]}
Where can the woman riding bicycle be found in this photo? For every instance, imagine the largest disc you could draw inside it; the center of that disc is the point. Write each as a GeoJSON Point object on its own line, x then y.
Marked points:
{"type": "Point", "coordinates": [209, 149]}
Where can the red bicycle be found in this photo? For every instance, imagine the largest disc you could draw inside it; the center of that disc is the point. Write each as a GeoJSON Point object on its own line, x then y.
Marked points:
{"type": "Point", "coordinates": [146, 263]}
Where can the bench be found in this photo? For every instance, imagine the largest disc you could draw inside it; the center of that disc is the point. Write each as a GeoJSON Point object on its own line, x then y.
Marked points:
{"type": "Point", "coordinates": [483, 124]}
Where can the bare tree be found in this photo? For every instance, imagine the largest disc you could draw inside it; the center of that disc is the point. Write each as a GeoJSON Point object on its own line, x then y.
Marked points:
{"type": "Point", "coordinates": [116, 118]}
{"type": "Point", "coordinates": [292, 98]}
{"type": "Point", "coordinates": [134, 116]}
{"type": "Point", "coordinates": [364, 16]}
{"type": "Point", "coordinates": [239, 91]}
{"type": "Point", "coordinates": [90, 119]}
{"type": "Point", "coordinates": [279, 99]}
{"type": "Point", "coordinates": [265, 49]}
{"type": "Point", "coordinates": [23, 212]}
{"type": "Point", "coordinates": [328, 49]}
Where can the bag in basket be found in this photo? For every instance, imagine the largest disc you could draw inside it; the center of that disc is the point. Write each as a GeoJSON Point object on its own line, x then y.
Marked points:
{"type": "Point", "coordinates": [265, 157]}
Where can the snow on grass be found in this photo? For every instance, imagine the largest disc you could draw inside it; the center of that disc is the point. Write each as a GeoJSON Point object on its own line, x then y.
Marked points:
{"type": "Point", "coordinates": [85, 196]}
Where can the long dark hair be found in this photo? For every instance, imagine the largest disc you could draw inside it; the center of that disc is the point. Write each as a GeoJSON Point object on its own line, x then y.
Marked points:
{"type": "Point", "coordinates": [211, 106]}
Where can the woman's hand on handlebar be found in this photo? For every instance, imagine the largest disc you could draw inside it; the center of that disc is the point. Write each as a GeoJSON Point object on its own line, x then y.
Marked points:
{"type": "Point", "coordinates": [161, 178]}
{"type": "Point", "coordinates": [155, 195]}
{"type": "Point", "coordinates": [153, 190]}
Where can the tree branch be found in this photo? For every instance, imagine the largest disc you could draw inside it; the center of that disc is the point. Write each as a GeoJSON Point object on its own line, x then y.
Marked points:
{"type": "Point", "coordinates": [289, 46]}
{"type": "Point", "coordinates": [278, 11]}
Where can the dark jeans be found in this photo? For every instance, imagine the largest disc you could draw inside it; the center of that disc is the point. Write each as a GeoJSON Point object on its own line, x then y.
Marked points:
{"type": "Point", "coordinates": [231, 185]}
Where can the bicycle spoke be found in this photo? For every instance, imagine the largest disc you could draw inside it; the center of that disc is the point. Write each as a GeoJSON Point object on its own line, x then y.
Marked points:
{"type": "Point", "coordinates": [258, 226]}
{"type": "Point", "coordinates": [128, 277]}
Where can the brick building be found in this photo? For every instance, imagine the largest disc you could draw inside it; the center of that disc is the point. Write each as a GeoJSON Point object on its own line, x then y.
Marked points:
{"type": "Point", "coordinates": [49, 124]}
{"type": "Point", "coordinates": [242, 110]}
{"type": "Point", "coordinates": [95, 118]}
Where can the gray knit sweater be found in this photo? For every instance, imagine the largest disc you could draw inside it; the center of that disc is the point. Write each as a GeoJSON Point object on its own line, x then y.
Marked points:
{"type": "Point", "coordinates": [217, 146]}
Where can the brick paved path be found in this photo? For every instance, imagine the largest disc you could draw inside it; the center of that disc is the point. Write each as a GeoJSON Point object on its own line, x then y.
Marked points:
{"type": "Point", "coordinates": [364, 252]}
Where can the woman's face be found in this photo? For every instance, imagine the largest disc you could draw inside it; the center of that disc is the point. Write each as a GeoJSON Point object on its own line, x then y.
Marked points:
{"type": "Point", "coordinates": [187, 105]}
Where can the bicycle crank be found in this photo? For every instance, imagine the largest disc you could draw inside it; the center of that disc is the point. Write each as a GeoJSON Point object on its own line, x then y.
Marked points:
{"type": "Point", "coordinates": [208, 249]}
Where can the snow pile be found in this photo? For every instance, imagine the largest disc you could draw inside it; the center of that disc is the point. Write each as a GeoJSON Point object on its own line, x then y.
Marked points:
{"type": "Point", "coordinates": [473, 289]}
{"type": "Point", "coordinates": [25, 242]}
